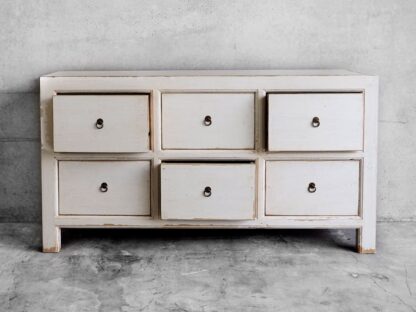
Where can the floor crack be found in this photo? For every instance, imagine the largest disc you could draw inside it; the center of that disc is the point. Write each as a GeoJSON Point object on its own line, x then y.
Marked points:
{"type": "Point", "coordinates": [392, 294]}
{"type": "Point", "coordinates": [407, 281]}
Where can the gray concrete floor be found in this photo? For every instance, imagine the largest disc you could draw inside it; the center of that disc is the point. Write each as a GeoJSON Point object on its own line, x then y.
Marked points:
{"type": "Point", "coordinates": [166, 270]}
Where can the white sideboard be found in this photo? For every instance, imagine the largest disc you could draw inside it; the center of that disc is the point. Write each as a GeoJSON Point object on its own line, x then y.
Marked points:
{"type": "Point", "coordinates": [209, 149]}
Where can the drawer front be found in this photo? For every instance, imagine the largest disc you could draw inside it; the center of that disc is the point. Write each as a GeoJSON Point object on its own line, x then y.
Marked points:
{"type": "Point", "coordinates": [101, 123]}
{"type": "Point", "coordinates": [207, 191]}
{"type": "Point", "coordinates": [126, 190]}
{"type": "Point", "coordinates": [208, 121]}
{"type": "Point", "coordinates": [306, 188]}
{"type": "Point", "coordinates": [315, 122]}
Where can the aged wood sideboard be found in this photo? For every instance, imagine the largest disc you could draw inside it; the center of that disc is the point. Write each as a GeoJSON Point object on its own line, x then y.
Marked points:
{"type": "Point", "coordinates": [209, 149]}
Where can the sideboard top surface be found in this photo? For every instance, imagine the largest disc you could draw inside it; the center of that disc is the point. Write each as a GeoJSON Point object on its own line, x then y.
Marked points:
{"type": "Point", "coordinates": [196, 73]}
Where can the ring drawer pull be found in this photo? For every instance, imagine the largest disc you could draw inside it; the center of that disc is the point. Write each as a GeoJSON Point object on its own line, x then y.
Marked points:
{"type": "Point", "coordinates": [207, 191]}
{"type": "Point", "coordinates": [312, 187]}
{"type": "Point", "coordinates": [207, 120]}
{"type": "Point", "coordinates": [104, 187]}
{"type": "Point", "coordinates": [315, 122]}
{"type": "Point", "coordinates": [99, 124]}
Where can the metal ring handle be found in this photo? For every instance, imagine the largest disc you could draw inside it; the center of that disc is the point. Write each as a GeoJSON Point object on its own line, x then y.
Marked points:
{"type": "Point", "coordinates": [315, 122]}
{"type": "Point", "coordinates": [207, 191]}
{"type": "Point", "coordinates": [207, 120]}
{"type": "Point", "coordinates": [311, 187]}
{"type": "Point", "coordinates": [99, 124]}
{"type": "Point", "coordinates": [104, 187]}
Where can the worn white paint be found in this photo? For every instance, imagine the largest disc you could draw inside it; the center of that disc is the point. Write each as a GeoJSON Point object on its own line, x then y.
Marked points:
{"type": "Point", "coordinates": [127, 190]}
{"type": "Point", "coordinates": [51, 232]}
{"type": "Point", "coordinates": [336, 191]}
{"type": "Point", "coordinates": [229, 124]}
{"type": "Point", "coordinates": [231, 195]}
{"type": "Point", "coordinates": [125, 125]}
{"type": "Point", "coordinates": [156, 85]}
{"type": "Point", "coordinates": [339, 122]}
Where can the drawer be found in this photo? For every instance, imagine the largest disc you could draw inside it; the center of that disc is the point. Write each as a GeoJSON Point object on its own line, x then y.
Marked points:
{"type": "Point", "coordinates": [306, 188]}
{"type": "Point", "coordinates": [208, 121]}
{"type": "Point", "coordinates": [315, 122]}
{"type": "Point", "coordinates": [101, 123]}
{"type": "Point", "coordinates": [104, 188]}
{"type": "Point", "coordinates": [192, 191]}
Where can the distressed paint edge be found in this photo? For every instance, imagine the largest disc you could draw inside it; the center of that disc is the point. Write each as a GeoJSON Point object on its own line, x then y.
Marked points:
{"type": "Point", "coordinates": [54, 249]}
{"type": "Point", "coordinates": [363, 250]}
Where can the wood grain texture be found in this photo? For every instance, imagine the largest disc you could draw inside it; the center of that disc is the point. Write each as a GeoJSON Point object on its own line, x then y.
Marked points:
{"type": "Point", "coordinates": [340, 118]}
{"type": "Point", "coordinates": [128, 188]}
{"type": "Point", "coordinates": [231, 121]}
{"type": "Point", "coordinates": [125, 123]}
{"type": "Point", "coordinates": [232, 194]}
{"type": "Point", "coordinates": [337, 185]}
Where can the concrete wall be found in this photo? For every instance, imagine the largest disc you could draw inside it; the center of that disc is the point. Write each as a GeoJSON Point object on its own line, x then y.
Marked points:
{"type": "Point", "coordinates": [39, 36]}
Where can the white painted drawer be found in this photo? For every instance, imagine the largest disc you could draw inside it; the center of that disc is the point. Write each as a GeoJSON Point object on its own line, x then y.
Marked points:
{"type": "Point", "coordinates": [124, 128]}
{"type": "Point", "coordinates": [208, 121]}
{"type": "Point", "coordinates": [289, 189]}
{"type": "Point", "coordinates": [315, 121]}
{"type": "Point", "coordinates": [82, 192]}
{"type": "Point", "coordinates": [192, 191]}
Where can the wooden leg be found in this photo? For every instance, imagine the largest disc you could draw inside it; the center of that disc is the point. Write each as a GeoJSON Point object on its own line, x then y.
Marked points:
{"type": "Point", "coordinates": [366, 240]}
{"type": "Point", "coordinates": [50, 232]}
{"type": "Point", "coordinates": [51, 238]}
